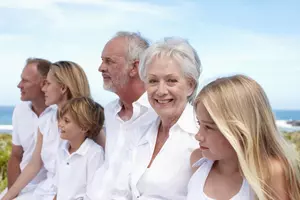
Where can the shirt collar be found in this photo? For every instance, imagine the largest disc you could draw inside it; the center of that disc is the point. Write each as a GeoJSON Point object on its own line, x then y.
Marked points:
{"type": "Point", "coordinates": [47, 109]}
{"type": "Point", "coordinates": [84, 147]}
{"type": "Point", "coordinates": [187, 121]}
{"type": "Point", "coordinates": [142, 101]}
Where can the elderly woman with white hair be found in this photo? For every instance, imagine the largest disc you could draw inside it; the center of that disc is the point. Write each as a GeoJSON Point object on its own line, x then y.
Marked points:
{"type": "Point", "coordinates": [161, 167]}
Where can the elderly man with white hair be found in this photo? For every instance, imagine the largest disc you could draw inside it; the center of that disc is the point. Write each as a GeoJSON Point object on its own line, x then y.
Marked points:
{"type": "Point", "coordinates": [120, 72]}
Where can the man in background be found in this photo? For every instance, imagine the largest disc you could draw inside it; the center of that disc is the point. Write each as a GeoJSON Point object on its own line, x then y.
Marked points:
{"type": "Point", "coordinates": [26, 117]}
{"type": "Point", "coordinates": [119, 68]}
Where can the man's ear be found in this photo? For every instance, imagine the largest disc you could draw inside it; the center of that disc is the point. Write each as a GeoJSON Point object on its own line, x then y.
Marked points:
{"type": "Point", "coordinates": [134, 71]}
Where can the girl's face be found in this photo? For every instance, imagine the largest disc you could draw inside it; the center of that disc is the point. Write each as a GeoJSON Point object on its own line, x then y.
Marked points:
{"type": "Point", "coordinates": [54, 91]}
{"type": "Point", "coordinates": [70, 130]}
{"type": "Point", "coordinates": [212, 142]}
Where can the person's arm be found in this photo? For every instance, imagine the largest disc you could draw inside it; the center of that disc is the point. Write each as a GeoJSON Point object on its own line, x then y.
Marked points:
{"type": "Point", "coordinates": [13, 166]}
{"type": "Point", "coordinates": [278, 181]}
{"type": "Point", "coordinates": [195, 156]}
{"type": "Point", "coordinates": [16, 156]}
{"type": "Point", "coordinates": [30, 171]}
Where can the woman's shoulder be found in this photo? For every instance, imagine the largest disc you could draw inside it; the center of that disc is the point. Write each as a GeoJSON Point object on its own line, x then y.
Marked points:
{"type": "Point", "coordinates": [195, 157]}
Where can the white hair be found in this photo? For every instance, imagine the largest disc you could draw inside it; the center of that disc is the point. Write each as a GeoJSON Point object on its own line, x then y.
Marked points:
{"type": "Point", "coordinates": [178, 49]}
{"type": "Point", "coordinates": [136, 44]}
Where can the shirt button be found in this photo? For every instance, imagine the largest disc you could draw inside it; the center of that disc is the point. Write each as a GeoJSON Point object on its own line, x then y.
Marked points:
{"type": "Point", "coordinates": [68, 163]}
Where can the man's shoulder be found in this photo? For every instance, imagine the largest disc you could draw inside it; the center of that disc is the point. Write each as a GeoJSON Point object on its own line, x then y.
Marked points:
{"type": "Point", "coordinates": [112, 105]}
{"type": "Point", "coordinates": [22, 107]}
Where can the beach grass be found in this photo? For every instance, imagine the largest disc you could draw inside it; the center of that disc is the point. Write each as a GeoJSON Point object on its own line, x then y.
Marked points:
{"type": "Point", "coordinates": [5, 149]}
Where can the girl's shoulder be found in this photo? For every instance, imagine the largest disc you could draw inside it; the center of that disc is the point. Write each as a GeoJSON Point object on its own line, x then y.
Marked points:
{"type": "Point", "coordinates": [195, 157]}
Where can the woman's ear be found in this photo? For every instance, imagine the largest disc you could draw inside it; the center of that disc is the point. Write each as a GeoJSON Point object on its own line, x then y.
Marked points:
{"type": "Point", "coordinates": [134, 69]}
{"type": "Point", "coordinates": [191, 86]}
{"type": "Point", "coordinates": [63, 89]}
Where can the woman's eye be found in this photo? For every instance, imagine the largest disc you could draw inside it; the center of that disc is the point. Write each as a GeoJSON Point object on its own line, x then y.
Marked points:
{"type": "Point", "coordinates": [172, 80]}
{"type": "Point", "coordinates": [209, 128]}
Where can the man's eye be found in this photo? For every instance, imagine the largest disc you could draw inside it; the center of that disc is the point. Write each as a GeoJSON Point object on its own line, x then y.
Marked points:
{"type": "Point", "coordinates": [109, 61]}
{"type": "Point", "coordinates": [152, 81]}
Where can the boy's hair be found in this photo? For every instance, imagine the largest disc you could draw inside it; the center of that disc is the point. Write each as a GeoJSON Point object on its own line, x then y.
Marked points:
{"type": "Point", "coordinates": [87, 114]}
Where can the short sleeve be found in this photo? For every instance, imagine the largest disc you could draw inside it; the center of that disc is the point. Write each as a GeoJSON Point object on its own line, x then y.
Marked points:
{"type": "Point", "coordinates": [94, 163]}
{"type": "Point", "coordinates": [15, 131]}
{"type": "Point", "coordinates": [45, 125]}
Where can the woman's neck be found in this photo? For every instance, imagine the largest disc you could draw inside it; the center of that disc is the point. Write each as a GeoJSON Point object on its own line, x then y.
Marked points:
{"type": "Point", "coordinates": [61, 103]}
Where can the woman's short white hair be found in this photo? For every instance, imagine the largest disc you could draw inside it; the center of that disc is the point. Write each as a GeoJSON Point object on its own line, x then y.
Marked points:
{"type": "Point", "coordinates": [181, 51]}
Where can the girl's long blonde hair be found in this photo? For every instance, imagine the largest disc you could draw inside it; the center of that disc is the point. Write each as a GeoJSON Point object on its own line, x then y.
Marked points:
{"type": "Point", "coordinates": [241, 110]}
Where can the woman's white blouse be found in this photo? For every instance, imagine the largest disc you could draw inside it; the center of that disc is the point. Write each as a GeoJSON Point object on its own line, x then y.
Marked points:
{"type": "Point", "coordinates": [170, 171]}
{"type": "Point", "coordinates": [197, 182]}
{"type": "Point", "coordinates": [50, 146]}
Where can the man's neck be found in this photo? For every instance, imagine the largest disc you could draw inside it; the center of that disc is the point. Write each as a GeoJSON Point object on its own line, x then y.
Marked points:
{"type": "Point", "coordinates": [38, 106]}
{"type": "Point", "coordinates": [128, 96]}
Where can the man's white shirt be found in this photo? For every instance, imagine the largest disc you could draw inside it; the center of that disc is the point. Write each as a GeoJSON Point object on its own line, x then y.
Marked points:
{"type": "Point", "coordinates": [119, 136]}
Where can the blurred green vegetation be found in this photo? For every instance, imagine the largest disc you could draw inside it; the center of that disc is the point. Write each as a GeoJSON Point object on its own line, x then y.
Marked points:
{"type": "Point", "coordinates": [5, 149]}
{"type": "Point", "coordinates": [294, 137]}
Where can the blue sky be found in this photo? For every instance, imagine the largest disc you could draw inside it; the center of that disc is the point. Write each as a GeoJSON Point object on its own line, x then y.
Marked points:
{"type": "Point", "coordinates": [258, 38]}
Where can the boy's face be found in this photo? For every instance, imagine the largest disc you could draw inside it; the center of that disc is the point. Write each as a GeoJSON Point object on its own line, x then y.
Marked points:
{"type": "Point", "coordinates": [70, 130]}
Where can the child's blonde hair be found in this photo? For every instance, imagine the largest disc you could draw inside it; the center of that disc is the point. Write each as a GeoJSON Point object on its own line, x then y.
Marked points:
{"type": "Point", "coordinates": [87, 114]}
{"type": "Point", "coordinates": [241, 110]}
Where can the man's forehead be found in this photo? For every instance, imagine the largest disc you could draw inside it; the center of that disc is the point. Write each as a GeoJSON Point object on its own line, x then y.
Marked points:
{"type": "Point", "coordinates": [30, 71]}
{"type": "Point", "coordinates": [115, 47]}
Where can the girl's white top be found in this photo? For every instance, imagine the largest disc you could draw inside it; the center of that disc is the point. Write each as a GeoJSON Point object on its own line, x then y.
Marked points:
{"type": "Point", "coordinates": [197, 181]}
